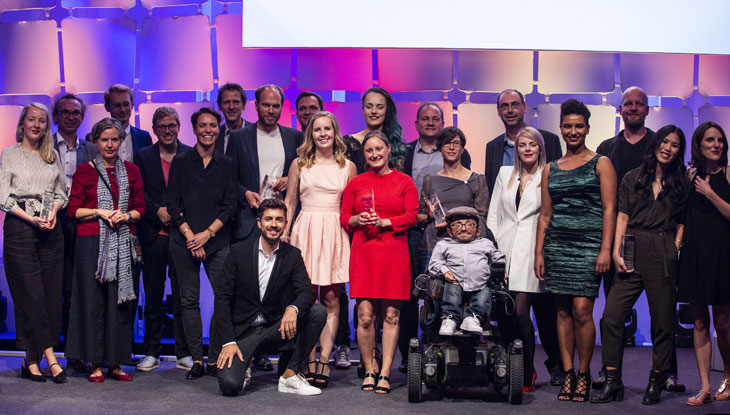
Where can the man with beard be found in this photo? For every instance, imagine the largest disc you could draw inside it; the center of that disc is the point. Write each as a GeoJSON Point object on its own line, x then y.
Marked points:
{"type": "Point", "coordinates": [265, 297]}
{"type": "Point", "coordinates": [231, 102]}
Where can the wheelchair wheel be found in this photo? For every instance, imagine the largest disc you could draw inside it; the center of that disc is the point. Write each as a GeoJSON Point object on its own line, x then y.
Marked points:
{"type": "Point", "coordinates": [415, 377]}
{"type": "Point", "coordinates": [516, 375]}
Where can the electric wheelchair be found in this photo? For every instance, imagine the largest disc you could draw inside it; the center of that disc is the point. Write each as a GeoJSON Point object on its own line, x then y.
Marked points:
{"type": "Point", "coordinates": [465, 359]}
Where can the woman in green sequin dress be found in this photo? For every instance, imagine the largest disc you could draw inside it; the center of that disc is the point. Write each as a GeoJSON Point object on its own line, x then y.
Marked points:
{"type": "Point", "coordinates": [573, 246]}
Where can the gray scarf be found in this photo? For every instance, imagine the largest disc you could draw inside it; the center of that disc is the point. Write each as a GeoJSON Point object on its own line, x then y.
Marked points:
{"type": "Point", "coordinates": [115, 257]}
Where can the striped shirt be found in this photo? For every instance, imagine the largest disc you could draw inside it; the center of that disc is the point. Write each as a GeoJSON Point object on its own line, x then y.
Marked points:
{"type": "Point", "coordinates": [25, 177]}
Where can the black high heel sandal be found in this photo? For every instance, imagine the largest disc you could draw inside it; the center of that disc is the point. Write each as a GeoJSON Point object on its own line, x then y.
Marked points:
{"type": "Point", "coordinates": [383, 390]}
{"type": "Point", "coordinates": [321, 380]}
{"type": "Point", "coordinates": [26, 373]}
{"type": "Point", "coordinates": [61, 376]}
{"type": "Point", "coordinates": [370, 386]}
{"type": "Point", "coordinates": [582, 387]}
{"type": "Point", "coordinates": [568, 389]}
{"type": "Point", "coordinates": [310, 376]}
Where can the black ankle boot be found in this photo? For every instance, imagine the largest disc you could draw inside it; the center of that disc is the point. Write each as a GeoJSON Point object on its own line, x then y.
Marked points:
{"type": "Point", "coordinates": [654, 389]}
{"type": "Point", "coordinates": [612, 389]}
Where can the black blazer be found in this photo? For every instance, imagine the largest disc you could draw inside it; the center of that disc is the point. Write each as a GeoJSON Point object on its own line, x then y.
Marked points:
{"type": "Point", "coordinates": [495, 152]}
{"type": "Point", "coordinates": [82, 154]}
{"type": "Point", "coordinates": [243, 149]}
{"type": "Point", "coordinates": [221, 141]}
{"type": "Point", "coordinates": [411, 150]}
{"type": "Point", "coordinates": [237, 299]}
{"type": "Point", "coordinates": [155, 189]}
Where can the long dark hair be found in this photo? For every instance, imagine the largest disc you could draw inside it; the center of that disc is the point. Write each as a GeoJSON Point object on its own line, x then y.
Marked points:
{"type": "Point", "coordinates": [673, 177]}
{"type": "Point", "coordinates": [698, 160]}
{"type": "Point", "coordinates": [391, 127]}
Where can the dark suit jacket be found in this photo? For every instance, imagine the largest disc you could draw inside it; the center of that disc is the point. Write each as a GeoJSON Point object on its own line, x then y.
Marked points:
{"type": "Point", "coordinates": [82, 155]}
{"type": "Point", "coordinates": [243, 149]}
{"type": "Point", "coordinates": [140, 140]}
{"type": "Point", "coordinates": [237, 299]}
{"type": "Point", "coordinates": [411, 150]}
{"type": "Point", "coordinates": [155, 189]}
{"type": "Point", "coordinates": [220, 141]}
{"type": "Point", "coordinates": [495, 152]}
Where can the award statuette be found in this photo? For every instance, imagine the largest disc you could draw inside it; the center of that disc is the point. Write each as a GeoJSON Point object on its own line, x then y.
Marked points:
{"type": "Point", "coordinates": [628, 251]}
{"type": "Point", "coordinates": [47, 205]}
{"type": "Point", "coordinates": [434, 204]}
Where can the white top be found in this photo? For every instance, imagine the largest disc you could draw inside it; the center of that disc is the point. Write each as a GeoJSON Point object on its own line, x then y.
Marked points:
{"type": "Point", "coordinates": [271, 154]}
{"type": "Point", "coordinates": [25, 177]}
{"type": "Point", "coordinates": [126, 148]}
{"type": "Point", "coordinates": [515, 229]}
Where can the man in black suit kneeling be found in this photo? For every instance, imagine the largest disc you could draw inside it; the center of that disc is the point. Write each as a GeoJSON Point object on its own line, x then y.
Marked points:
{"type": "Point", "coordinates": [265, 299]}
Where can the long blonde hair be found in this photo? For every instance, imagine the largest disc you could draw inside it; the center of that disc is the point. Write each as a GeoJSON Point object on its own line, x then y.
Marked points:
{"type": "Point", "coordinates": [534, 135]}
{"type": "Point", "coordinates": [307, 150]}
{"type": "Point", "coordinates": [45, 147]}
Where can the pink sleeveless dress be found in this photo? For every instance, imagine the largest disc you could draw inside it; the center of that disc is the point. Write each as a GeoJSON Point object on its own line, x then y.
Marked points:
{"type": "Point", "coordinates": [317, 231]}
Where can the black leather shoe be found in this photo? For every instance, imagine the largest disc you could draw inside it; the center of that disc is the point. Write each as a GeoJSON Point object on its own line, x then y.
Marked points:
{"type": "Point", "coordinates": [211, 370]}
{"type": "Point", "coordinates": [654, 388]}
{"type": "Point", "coordinates": [26, 373]}
{"type": "Point", "coordinates": [262, 362]}
{"type": "Point", "coordinates": [196, 372]}
{"type": "Point", "coordinates": [612, 389]}
{"type": "Point", "coordinates": [599, 381]}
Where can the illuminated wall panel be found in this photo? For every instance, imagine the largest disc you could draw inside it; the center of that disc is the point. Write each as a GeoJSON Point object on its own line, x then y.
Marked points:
{"type": "Point", "coordinates": [668, 75]}
{"type": "Point", "coordinates": [91, 49]}
{"type": "Point", "coordinates": [29, 62]}
{"type": "Point", "coordinates": [175, 54]}
{"type": "Point", "coordinates": [407, 116]}
{"type": "Point", "coordinates": [94, 114]}
{"type": "Point", "coordinates": [415, 70]}
{"type": "Point", "coordinates": [9, 115]}
{"type": "Point", "coordinates": [117, 4]}
{"type": "Point", "coordinates": [575, 72]}
{"type": "Point", "coordinates": [338, 69]}
{"type": "Point", "coordinates": [349, 116]}
{"type": "Point", "coordinates": [602, 121]}
{"type": "Point", "coordinates": [160, 3]}
{"type": "Point", "coordinates": [184, 111]}
{"type": "Point", "coordinates": [714, 75]}
{"type": "Point", "coordinates": [495, 70]}
{"type": "Point", "coordinates": [249, 67]}
{"type": "Point", "coordinates": [720, 115]}
{"type": "Point", "coordinates": [26, 4]}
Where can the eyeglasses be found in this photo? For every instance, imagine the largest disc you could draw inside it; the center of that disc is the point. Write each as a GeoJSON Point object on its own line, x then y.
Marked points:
{"type": "Point", "coordinates": [165, 127]}
{"type": "Point", "coordinates": [468, 225]}
{"type": "Point", "coordinates": [75, 113]}
{"type": "Point", "coordinates": [453, 144]}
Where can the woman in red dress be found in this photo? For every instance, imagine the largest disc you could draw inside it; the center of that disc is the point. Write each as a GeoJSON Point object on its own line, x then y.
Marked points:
{"type": "Point", "coordinates": [378, 206]}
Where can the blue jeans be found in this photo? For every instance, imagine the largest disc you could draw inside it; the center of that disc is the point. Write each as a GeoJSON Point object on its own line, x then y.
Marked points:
{"type": "Point", "coordinates": [478, 303]}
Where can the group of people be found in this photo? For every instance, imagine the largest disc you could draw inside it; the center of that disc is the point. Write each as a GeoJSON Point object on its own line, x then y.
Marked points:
{"type": "Point", "coordinates": [281, 220]}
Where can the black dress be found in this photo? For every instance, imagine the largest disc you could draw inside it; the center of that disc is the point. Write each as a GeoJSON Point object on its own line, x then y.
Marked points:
{"type": "Point", "coordinates": [704, 266]}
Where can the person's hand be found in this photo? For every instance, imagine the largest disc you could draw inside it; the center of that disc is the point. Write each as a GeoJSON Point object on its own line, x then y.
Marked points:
{"type": "Point", "coordinates": [702, 186]}
{"type": "Point", "coordinates": [288, 327]}
{"type": "Point", "coordinates": [106, 215]}
{"type": "Point", "coordinates": [164, 216]}
{"type": "Point", "coordinates": [37, 222]}
{"type": "Point", "coordinates": [253, 199]}
{"type": "Point", "coordinates": [363, 219]}
{"type": "Point", "coordinates": [198, 240]}
{"type": "Point", "coordinates": [119, 218]}
{"type": "Point", "coordinates": [429, 211]}
{"type": "Point", "coordinates": [280, 184]}
{"type": "Point", "coordinates": [620, 264]}
{"type": "Point", "coordinates": [227, 354]}
{"type": "Point", "coordinates": [603, 262]}
{"type": "Point", "coordinates": [540, 267]}
{"type": "Point", "coordinates": [198, 253]}
{"type": "Point", "coordinates": [441, 225]}
{"type": "Point", "coordinates": [449, 277]}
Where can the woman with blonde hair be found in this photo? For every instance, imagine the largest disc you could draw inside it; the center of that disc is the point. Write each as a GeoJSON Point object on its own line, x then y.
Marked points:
{"type": "Point", "coordinates": [32, 190]}
{"type": "Point", "coordinates": [317, 179]}
{"type": "Point", "coordinates": [513, 214]}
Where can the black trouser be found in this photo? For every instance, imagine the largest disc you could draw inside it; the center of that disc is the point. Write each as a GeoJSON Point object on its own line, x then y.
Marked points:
{"type": "Point", "coordinates": [68, 226]}
{"type": "Point", "coordinates": [655, 273]}
{"type": "Point", "coordinates": [187, 270]}
{"type": "Point", "coordinates": [343, 328]}
{"type": "Point", "coordinates": [309, 327]}
{"type": "Point", "coordinates": [33, 268]}
{"type": "Point", "coordinates": [409, 309]}
{"type": "Point", "coordinates": [154, 272]}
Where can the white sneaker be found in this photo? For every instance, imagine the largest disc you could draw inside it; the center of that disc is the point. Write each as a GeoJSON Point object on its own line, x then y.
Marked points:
{"type": "Point", "coordinates": [472, 325]}
{"type": "Point", "coordinates": [185, 363]}
{"type": "Point", "coordinates": [148, 363]}
{"type": "Point", "coordinates": [297, 385]}
{"type": "Point", "coordinates": [342, 360]}
{"type": "Point", "coordinates": [247, 378]}
{"type": "Point", "coordinates": [448, 326]}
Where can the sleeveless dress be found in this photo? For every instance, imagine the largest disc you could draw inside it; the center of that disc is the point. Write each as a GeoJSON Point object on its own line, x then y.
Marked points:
{"type": "Point", "coordinates": [317, 232]}
{"type": "Point", "coordinates": [573, 237]}
{"type": "Point", "coordinates": [704, 263]}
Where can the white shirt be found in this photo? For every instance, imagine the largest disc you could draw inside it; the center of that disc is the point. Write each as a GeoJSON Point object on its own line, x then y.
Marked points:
{"type": "Point", "coordinates": [271, 154]}
{"type": "Point", "coordinates": [68, 159]}
{"type": "Point", "coordinates": [126, 148]}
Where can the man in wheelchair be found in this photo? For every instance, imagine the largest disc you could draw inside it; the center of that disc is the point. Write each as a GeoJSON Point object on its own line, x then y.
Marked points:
{"type": "Point", "coordinates": [464, 260]}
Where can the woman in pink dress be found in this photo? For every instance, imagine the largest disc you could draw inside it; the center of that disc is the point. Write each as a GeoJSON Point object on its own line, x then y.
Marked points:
{"type": "Point", "coordinates": [378, 206]}
{"type": "Point", "coordinates": [316, 179]}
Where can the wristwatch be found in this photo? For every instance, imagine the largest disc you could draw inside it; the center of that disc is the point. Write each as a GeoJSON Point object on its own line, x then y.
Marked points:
{"type": "Point", "coordinates": [129, 217]}
{"type": "Point", "coordinates": [212, 234]}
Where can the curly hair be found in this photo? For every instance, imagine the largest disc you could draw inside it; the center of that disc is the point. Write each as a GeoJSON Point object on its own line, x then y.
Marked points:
{"type": "Point", "coordinates": [573, 106]}
{"type": "Point", "coordinates": [307, 150]}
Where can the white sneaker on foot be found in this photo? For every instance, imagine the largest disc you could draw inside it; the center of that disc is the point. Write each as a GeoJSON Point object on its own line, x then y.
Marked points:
{"type": "Point", "coordinates": [448, 326]}
{"type": "Point", "coordinates": [342, 357]}
{"type": "Point", "coordinates": [297, 385]}
{"type": "Point", "coordinates": [185, 363]}
{"type": "Point", "coordinates": [472, 325]}
{"type": "Point", "coordinates": [148, 363]}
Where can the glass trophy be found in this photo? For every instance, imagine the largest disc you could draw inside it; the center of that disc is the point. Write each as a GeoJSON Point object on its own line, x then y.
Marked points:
{"type": "Point", "coordinates": [434, 204]}
{"type": "Point", "coordinates": [266, 192]}
{"type": "Point", "coordinates": [47, 205]}
{"type": "Point", "coordinates": [368, 201]}
{"type": "Point", "coordinates": [628, 250]}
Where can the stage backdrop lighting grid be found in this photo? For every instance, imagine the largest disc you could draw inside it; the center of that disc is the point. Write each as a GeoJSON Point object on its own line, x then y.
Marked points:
{"type": "Point", "coordinates": [334, 69]}
{"type": "Point", "coordinates": [495, 70]}
{"type": "Point", "coordinates": [667, 75]}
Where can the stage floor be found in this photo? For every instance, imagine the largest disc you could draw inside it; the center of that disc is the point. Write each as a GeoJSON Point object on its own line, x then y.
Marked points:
{"type": "Point", "coordinates": [166, 391]}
